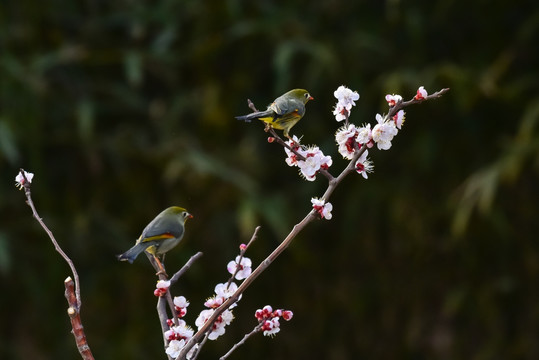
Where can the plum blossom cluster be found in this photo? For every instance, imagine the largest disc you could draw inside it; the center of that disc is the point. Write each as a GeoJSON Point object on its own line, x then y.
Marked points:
{"type": "Point", "coordinates": [268, 319]}
{"type": "Point", "coordinates": [20, 179]}
{"type": "Point", "coordinates": [177, 335]}
{"type": "Point", "coordinates": [240, 268]}
{"type": "Point", "coordinates": [311, 160]}
{"type": "Point", "coordinates": [322, 208]}
{"type": "Point", "coordinates": [383, 132]}
{"type": "Point", "coordinates": [222, 292]}
{"type": "Point", "coordinates": [350, 138]}
{"type": "Point", "coordinates": [175, 347]}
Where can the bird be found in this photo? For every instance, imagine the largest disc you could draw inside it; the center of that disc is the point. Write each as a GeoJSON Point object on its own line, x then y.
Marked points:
{"type": "Point", "coordinates": [162, 234]}
{"type": "Point", "coordinates": [284, 112]}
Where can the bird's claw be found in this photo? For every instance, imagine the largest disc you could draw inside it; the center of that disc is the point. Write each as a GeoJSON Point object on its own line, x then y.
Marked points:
{"type": "Point", "coordinates": [161, 272]}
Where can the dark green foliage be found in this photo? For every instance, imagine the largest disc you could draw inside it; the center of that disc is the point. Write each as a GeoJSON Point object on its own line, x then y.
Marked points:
{"type": "Point", "coordinates": [123, 108]}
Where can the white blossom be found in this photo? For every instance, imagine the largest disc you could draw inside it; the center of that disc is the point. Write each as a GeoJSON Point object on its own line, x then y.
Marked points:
{"type": "Point", "coordinates": [19, 179]}
{"type": "Point", "coordinates": [244, 267]}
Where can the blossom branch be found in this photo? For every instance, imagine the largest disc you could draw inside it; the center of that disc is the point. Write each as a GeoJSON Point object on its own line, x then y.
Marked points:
{"type": "Point", "coordinates": [280, 141]}
{"type": "Point", "coordinates": [246, 283]}
{"type": "Point", "coordinates": [242, 253]}
{"type": "Point", "coordinates": [162, 303]}
{"type": "Point", "coordinates": [299, 156]}
{"type": "Point", "coordinates": [402, 104]}
{"type": "Point", "coordinates": [317, 207]}
{"type": "Point", "coordinates": [72, 292]}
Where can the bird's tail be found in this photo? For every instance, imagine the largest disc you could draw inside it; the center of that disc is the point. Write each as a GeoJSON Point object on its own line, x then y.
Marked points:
{"type": "Point", "coordinates": [131, 254]}
{"type": "Point", "coordinates": [255, 115]}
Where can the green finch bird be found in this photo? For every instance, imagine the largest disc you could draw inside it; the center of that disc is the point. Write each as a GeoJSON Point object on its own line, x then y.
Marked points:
{"type": "Point", "coordinates": [160, 235]}
{"type": "Point", "coordinates": [284, 112]}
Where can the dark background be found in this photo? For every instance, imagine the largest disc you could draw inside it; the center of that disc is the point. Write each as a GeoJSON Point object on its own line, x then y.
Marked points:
{"type": "Point", "coordinates": [122, 108]}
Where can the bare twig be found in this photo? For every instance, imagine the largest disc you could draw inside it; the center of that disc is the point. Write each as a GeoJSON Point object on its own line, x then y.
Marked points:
{"type": "Point", "coordinates": [242, 341]}
{"type": "Point", "coordinates": [51, 236]}
{"type": "Point", "coordinates": [184, 268]}
{"type": "Point", "coordinates": [72, 292]}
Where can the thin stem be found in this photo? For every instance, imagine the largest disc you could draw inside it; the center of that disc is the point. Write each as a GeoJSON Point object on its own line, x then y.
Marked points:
{"type": "Point", "coordinates": [242, 253]}
{"type": "Point", "coordinates": [161, 303]}
{"type": "Point", "coordinates": [197, 351]}
{"type": "Point", "coordinates": [51, 236]}
{"type": "Point", "coordinates": [242, 341]}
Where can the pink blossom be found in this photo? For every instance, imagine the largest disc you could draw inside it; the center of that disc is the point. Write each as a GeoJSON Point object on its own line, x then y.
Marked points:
{"type": "Point", "coordinates": [364, 166]}
{"type": "Point", "coordinates": [271, 327]}
{"type": "Point", "coordinates": [180, 305]}
{"type": "Point", "coordinates": [19, 179]}
{"type": "Point", "coordinates": [383, 132]}
{"type": "Point", "coordinates": [292, 158]}
{"type": "Point", "coordinates": [345, 101]}
{"type": "Point", "coordinates": [393, 99]}
{"type": "Point", "coordinates": [398, 118]}
{"type": "Point", "coordinates": [218, 327]}
{"type": "Point", "coordinates": [346, 139]}
{"type": "Point", "coordinates": [315, 160]}
{"type": "Point", "coordinates": [421, 94]}
{"type": "Point", "coordinates": [322, 208]}
{"type": "Point", "coordinates": [161, 288]}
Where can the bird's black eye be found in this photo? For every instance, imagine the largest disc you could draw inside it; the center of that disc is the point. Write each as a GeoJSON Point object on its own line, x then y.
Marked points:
{"type": "Point", "coordinates": [307, 95]}
{"type": "Point", "coordinates": [184, 214]}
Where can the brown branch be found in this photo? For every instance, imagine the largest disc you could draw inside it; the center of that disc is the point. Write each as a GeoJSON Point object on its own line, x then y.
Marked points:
{"type": "Point", "coordinates": [186, 267]}
{"type": "Point", "coordinates": [51, 236]}
{"type": "Point", "coordinates": [76, 323]}
{"type": "Point", "coordinates": [402, 104]}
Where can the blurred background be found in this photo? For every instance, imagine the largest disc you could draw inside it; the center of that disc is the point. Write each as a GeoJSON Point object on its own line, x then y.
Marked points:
{"type": "Point", "coordinates": [124, 108]}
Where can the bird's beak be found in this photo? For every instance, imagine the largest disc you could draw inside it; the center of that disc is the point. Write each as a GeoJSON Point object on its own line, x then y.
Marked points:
{"type": "Point", "coordinates": [311, 98]}
{"type": "Point", "coordinates": [189, 216]}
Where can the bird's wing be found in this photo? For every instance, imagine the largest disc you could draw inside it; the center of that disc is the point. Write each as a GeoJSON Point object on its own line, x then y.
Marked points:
{"type": "Point", "coordinates": [282, 106]}
{"type": "Point", "coordinates": [162, 228]}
